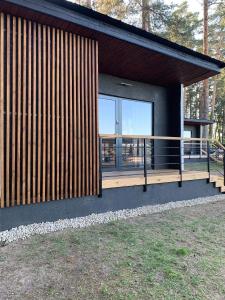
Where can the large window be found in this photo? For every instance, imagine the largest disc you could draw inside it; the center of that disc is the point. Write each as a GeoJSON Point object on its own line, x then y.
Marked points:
{"type": "Point", "coordinates": [187, 134]}
{"type": "Point", "coordinates": [107, 116]}
{"type": "Point", "coordinates": [124, 116]}
{"type": "Point", "coordinates": [136, 117]}
{"type": "Point", "coordinates": [188, 145]}
{"type": "Point", "coordinates": [127, 117]}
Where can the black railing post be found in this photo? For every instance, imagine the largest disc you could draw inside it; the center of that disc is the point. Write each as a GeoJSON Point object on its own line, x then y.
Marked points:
{"type": "Point", "coordinates": [100, 168]}
{"type": "Point", "coordinates": [224, 167]}
{"type": "Point", "coordinates": [181, 163]}
{"type": "Point", "coordinates": [145, 167]}
{"type": "Point", "coordinates": [208, 159]}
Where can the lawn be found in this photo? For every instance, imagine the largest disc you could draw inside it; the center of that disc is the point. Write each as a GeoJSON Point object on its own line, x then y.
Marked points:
{"type": "Point", "coordinates": [215, 167]}
{"type": "Point", "coordinates": [178, 254]}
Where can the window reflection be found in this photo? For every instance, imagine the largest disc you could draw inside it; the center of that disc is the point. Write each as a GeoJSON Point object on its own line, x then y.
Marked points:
{"type": "Point", "coordinates": [136, 117]}
{"type": "Point", "coordinates": [124, 117]}
{"type": "Point", "coordinates": [133, 153]}
{"type": "Point", "coordinates": [108, 153]}
{"type": "Point", "coordinates": [107, 116]}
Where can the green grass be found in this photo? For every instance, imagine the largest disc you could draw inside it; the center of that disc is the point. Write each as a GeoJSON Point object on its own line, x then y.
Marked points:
{"type": "Point", "coordinates": [215, 167]}
{"type": "Point", "coordinates": [175, 255]}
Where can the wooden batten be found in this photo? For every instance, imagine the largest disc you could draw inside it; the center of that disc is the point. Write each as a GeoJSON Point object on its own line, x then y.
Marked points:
{"type": "Point", "coordinates": [57, 114]}
{"type": "Point", "coordinates": [53, 116]}
{"type": "Point", "coordinates": [7, 112]}
{"type": "Point", "coordinates": [48, 113]}
{"type": "Point", "coordinates": [49, 116]}
{"type": "Point", "coordinates": [19, 114]}
{"type": "Point", "coordinates": [2, 131]}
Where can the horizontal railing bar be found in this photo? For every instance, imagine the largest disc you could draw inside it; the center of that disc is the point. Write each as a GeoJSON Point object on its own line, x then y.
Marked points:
{"type": "Point", "coordinates": [151, 137]}
{"type": "Point", "coordinates": [192, 163]}
{"type": "Point", "coordinates": [141, 147]}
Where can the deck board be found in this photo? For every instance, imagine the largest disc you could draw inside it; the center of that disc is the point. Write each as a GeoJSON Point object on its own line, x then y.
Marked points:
{"type": "Point", "coordinates": [117, 179]}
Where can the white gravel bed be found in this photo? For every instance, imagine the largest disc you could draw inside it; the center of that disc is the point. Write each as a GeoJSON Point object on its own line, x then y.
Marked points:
{"type": "Point", "coordinates": [24, 232]}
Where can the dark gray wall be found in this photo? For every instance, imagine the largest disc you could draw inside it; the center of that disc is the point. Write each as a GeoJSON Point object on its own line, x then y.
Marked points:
{"type": "Point", "coordinates": [166, 119]}
{"type": "Point", "coordinates": [195, 130]}
{"type": "Point", "coordinates": [193, 147]}
{"type": "Point", "coordinates": [112, 200]}
{"type": "Point", "coordinates": [111, 85]}
{"type": "Point", "coordinates": [175, 113]}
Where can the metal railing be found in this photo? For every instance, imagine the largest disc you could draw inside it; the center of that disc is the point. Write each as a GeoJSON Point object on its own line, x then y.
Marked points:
{"type": "Point", "coordinates": [131, 155]}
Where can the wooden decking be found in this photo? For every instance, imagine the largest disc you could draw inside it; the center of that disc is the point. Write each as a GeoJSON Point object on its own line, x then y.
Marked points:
{"type": "Point", "coordinates": [117, 179]}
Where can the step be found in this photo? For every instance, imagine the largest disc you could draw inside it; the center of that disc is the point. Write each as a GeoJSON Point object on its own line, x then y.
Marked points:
{"type": "Point", "coordinates": [214, 178]}
{"type": "Point", "coordinates": [222, 189]}
{"type": "Point", "coordinates": [219, 184]}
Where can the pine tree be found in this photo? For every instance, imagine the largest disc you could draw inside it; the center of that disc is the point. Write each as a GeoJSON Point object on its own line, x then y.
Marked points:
{"type": "Point", "coordinates": [145, 14]}
{"type": "Point", "coordinates": [217, 49]}
{"type": "Point", "coordinates": [113, 8]}
{"type": "Point", "coordinates": [204, 104]}
{"type": "Point", "coordinates": [183, 26]}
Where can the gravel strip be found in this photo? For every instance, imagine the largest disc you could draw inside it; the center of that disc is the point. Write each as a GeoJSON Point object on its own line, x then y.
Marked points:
{"type": "Point", "coordinates": [24, 232]}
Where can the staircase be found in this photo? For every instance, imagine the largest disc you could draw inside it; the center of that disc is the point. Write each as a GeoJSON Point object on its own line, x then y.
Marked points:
{"type": "Point", "coordinates": [217, 159]}
{"type": "Point", "coordinates": [219, 182]}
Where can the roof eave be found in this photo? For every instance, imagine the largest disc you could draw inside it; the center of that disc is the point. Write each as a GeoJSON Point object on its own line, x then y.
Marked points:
{"type": "Point", "coordinates": [109, 26]}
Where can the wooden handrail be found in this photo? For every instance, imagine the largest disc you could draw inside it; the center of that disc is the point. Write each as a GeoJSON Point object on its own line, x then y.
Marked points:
{"type": "Point", "coordinates": [151, 137]}
{"type": "Point", "coordinates": [219, 144]}
{"type": "Point", "coordinates": [212, 157]}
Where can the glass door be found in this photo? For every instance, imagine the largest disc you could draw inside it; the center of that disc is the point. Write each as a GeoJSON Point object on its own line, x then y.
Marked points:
{"type": "Point", "coordinates": [108, 125]}
{"type": "Point", "coordinates": [136, 121]}
{"type": "Point", "coordinates": [124, 117]}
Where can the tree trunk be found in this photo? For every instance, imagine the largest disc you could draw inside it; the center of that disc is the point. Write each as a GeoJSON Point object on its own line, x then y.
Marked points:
{"type": "Point", "coordinates": [204, 106]}
{"type": "Point", "coordinates": [223, 127]}
{"type": "Point", "coordinates": [213, 104]}
{"type": "Point", "coordinates": [145, 15]}
{"type": "Point", "coordinates": [88, 3]}
{"type": "Point", "coordinates": [214, 95]}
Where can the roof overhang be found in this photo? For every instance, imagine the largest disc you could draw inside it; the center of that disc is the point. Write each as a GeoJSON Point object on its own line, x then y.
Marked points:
{"type": "Point", "coordinates": [124, 50]}
{"type": "Point", "coordinates": [198, 122]}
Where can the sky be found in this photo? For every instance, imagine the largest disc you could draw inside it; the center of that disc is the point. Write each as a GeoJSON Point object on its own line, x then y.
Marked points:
{"type": "Point", "coordinates": [194, 5]}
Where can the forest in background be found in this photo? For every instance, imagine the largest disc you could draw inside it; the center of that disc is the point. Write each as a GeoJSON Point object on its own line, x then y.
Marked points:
{"type": "Point", "coordinates": [176, 22]}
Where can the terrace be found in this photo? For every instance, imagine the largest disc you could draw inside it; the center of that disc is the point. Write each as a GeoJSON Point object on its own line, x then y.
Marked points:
{"type": "Point", "coordinates": [146, 160]}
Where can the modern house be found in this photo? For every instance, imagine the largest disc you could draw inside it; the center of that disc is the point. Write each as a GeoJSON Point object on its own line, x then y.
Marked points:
{"type": "Point", "coordinates": [193, 128]}
{"type": "Point", "coordinates": [91, 114]}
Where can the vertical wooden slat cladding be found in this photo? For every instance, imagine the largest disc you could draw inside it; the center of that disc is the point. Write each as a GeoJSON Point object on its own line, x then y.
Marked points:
{"type": "Point", "coordinates": [48, 113]}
